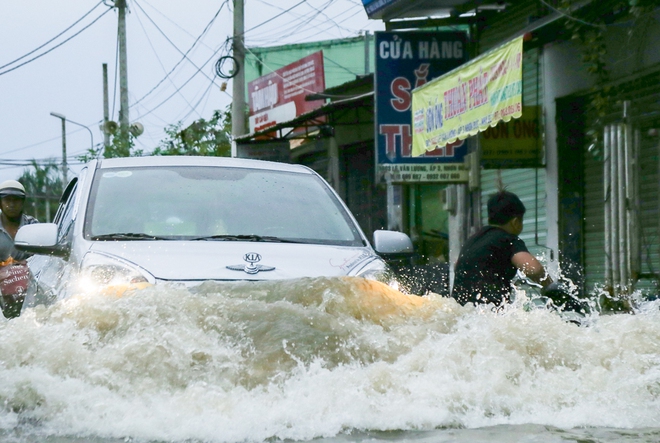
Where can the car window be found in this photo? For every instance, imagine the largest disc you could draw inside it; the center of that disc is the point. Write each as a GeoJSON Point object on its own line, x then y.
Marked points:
{"type": "Point", "coordinates": [190, 202]}
{"type": "Point", "coordinates": [68, 208]}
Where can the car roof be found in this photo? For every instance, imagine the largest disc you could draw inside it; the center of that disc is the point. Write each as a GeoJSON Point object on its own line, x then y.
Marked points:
{"type": "Point", "coordinates": [175, 160]}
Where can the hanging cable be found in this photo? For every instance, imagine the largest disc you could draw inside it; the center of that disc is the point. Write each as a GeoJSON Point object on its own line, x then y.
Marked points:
{"type": "Point", "coordinates": [54, 47]}
{"type": "Point", "coordinates": [274, 71]}
{"type": "Point", "coordinates": [274, 17]}
{"type": "Point", "coordinates": [204, 94]}
{"type": "Point", "coordinates": [49, 41]}
{"type": "Point", "coordinates": [169, 40]}
{"type": "Point", "coordinates": [156, 54]}
{"type": "Point", "coordinates": [293, 28]}
{"type": "Point", "coordinates": [180, 87]}
{"type": "Point", "coordinates": [173, 22]}
{"type": "Point", "coordinates": [184, 56]}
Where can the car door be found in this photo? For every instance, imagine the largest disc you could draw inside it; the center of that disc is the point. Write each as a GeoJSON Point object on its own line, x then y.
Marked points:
{"type": "Point", "coordinates": [52, 274]}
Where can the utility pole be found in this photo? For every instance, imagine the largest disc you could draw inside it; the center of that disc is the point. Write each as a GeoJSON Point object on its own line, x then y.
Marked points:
{"type": "Point", "coordinates": [65, 166]}
{"type": "Point", "coordinates": [123, 72]}
{"type": "Point", "coordinates": [106, 110]}
{"type": "Point", "coordinates": [238, 81]}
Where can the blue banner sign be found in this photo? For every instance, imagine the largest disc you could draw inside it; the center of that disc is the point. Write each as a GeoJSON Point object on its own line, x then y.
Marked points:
{"type": "Point", "coordinates": [373, 6]}
{"type": "Point", "coordinates": [405, 61]}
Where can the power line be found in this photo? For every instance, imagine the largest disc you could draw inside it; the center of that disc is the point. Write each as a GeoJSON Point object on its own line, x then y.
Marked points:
{"type": "Point", "coordinates": [270, 37]}
{"type": "Point", "coordinates": [350, 16]}
{"type": "Point", "coordinates": [173, 22]}
{"type": "Point", "coordinates": [204, 94]}
{"type": "Point", "coordinates": [274, 71]}
{"type": "Point", "coordinates": [273, 18]}
{"type": "Point", "coordinates": [54, 47]}
{"type": "Point", "coordinates": [184, 56]}
{"type": "Point", "coordinates": [155, 53]}
{"type": "Point", "coordinates": [180, 87]}
{"type": "Point", "coordinates": [301, 17]}
{"type": "Point", "coordinates": [169, 40]}
{"type": "Point", "coordinates": [49, 41]}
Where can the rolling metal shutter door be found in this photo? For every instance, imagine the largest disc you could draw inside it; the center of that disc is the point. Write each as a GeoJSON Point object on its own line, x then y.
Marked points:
{"type": "Point", "coordinates": [649, 202]}
{"type": "Point", "coordinates": [643, 95]}
{"type": "Point", "coordinates": [528, 183]}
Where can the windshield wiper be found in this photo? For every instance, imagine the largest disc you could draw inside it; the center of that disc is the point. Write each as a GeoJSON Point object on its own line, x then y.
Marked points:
{"type": "Point", "coordinates": [128, 236]}
{"type": "Point", "coordinates": [247, 237]}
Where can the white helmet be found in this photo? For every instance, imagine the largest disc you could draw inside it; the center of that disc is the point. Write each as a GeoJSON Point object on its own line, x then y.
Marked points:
{"type": "Point", "coordinates": [11, 187]}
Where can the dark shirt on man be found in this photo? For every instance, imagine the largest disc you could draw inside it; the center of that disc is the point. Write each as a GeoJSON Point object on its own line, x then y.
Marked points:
{"type": "Point", "coordinates": [484, 271]}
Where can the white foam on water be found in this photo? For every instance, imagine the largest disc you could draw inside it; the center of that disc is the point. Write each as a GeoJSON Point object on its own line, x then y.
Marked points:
{"type": "Point", "coordinates": [305, 359]}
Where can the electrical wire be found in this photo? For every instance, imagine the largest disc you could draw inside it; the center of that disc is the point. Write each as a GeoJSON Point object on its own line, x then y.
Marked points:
{"type": "Point", "coordinates": [155, 53]}
{"type": "Point", "coordinates": [293, 28]}
{"type": "Point", "coordinates": [274, 17]}
{"type": "Point", "coordinates": [341, 66]}
{"type": "Point", "coordinates": [279, 36]}
{"type": "Point", "coordinates": [173, 22]}
{"type": "Point", "coordinates": [169, 40]}
{"type": "Point", "coordinates": [570, 17]}
{"type": "Point", "coordinates": [324, 30]}
{"type": "Point", "coordinates": [52, 39]}
{"type": "Point", "coordinates": [54, 47]}
{"type": "Point", "coordinates": [205, 94]}
{"type": "Point", "coordinates": [184, 57]}
{"type": "Point", "coordinates": [274, 71]}
{"type": "Point", "coordinates": [180, 87]}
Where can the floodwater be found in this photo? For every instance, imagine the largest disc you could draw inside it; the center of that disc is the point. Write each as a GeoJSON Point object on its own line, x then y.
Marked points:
{"type": "Point", "coordinates": [322, 359]}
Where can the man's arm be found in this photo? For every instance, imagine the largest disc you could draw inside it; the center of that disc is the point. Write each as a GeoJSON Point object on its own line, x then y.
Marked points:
{"type": "Point", "coordinates": [531, 267]}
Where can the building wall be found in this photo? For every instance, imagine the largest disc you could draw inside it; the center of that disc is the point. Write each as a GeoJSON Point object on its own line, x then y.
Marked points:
{"type": "Point", "coordinates": [563, 74]}
{"type": "Point", "coordinates": [343, 60]}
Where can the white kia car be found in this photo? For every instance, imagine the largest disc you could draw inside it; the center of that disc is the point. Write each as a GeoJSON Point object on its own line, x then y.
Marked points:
{"type": "Point", "coordinates": [151, 220]}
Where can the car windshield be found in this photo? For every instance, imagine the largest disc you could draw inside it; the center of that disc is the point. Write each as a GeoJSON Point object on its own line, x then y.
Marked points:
{"type": "Point", "coordinates": [215, 203]}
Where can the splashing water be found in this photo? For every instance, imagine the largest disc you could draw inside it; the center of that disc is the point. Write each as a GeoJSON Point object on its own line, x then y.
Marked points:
{"type": "Point", "coordinates": [315, 358]}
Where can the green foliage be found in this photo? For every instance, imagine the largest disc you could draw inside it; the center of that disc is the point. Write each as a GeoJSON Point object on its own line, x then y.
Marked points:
{"type": "Point", "coordinates": [203, 137]}
{"type": "Point", "coordinates": [43, 186]}
{"type": "Point", "coordinates": [119, 147]}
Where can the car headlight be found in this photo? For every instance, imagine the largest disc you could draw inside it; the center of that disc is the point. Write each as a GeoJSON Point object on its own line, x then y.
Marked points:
{"type": "Point", "coordinates": [379, 271]}
{"type": "Point", "coordinates": [100, 272]}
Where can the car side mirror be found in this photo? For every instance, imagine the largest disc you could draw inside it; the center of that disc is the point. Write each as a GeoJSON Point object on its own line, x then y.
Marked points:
{"type": "Point", "coordinates": [41, 239]}
{"type": "Point", "coordinates": [392, 243]}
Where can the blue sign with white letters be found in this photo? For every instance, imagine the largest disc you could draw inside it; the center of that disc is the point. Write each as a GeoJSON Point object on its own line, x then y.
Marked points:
{"type": "Point", "coordinates": [404, 61]}
{"type": "Point", "coordinates": [373, 6]}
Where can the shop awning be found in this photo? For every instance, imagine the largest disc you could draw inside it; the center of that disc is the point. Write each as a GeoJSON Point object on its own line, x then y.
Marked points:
{"type": "Point", "coordinates": [469, 99]}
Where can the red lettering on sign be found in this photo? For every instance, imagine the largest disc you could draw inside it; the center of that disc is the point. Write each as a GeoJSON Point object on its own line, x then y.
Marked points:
{"type": "Point", "coordinates": [390, 132]}
{"type": "Point", "coordinates": [406, 141]}
{"type": "Point", "coordinates": [397, 136]}
{"type": "Point", "coordinates": [400, 88]}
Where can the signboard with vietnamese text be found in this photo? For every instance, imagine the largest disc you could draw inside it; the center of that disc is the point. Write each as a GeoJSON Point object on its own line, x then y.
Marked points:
{"type": "Point", "coordinates": [404, 61]}
{"type": "Point", "coordinates": [514, 144]}
{"type": "Point", "coordinates": [371, 7]}
{"type": "Point", "coordinates": [280, 96]}
{"type": "Point", "coordinates": [470, 99]}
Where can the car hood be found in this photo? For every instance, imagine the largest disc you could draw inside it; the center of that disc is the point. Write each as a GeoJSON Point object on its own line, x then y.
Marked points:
{"type": "Point", "coordinates": [231, 260]}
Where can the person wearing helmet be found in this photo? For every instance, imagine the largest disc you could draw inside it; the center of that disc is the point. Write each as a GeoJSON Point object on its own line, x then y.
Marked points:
{"type": "Point", "coordinates": [14, 272]}
{"type": "Point", "coordinates": [490, 259]}
{"type": "Point", "coordinates": [12, 200]}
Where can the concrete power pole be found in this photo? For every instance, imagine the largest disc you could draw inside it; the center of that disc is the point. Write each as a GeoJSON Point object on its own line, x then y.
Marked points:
{"type": "Point", "coordinates": [106, 111]}
{"type": "Point", "coordinates": [123, 72]}
{"type": "Point", "coordinates": [238, 82]}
